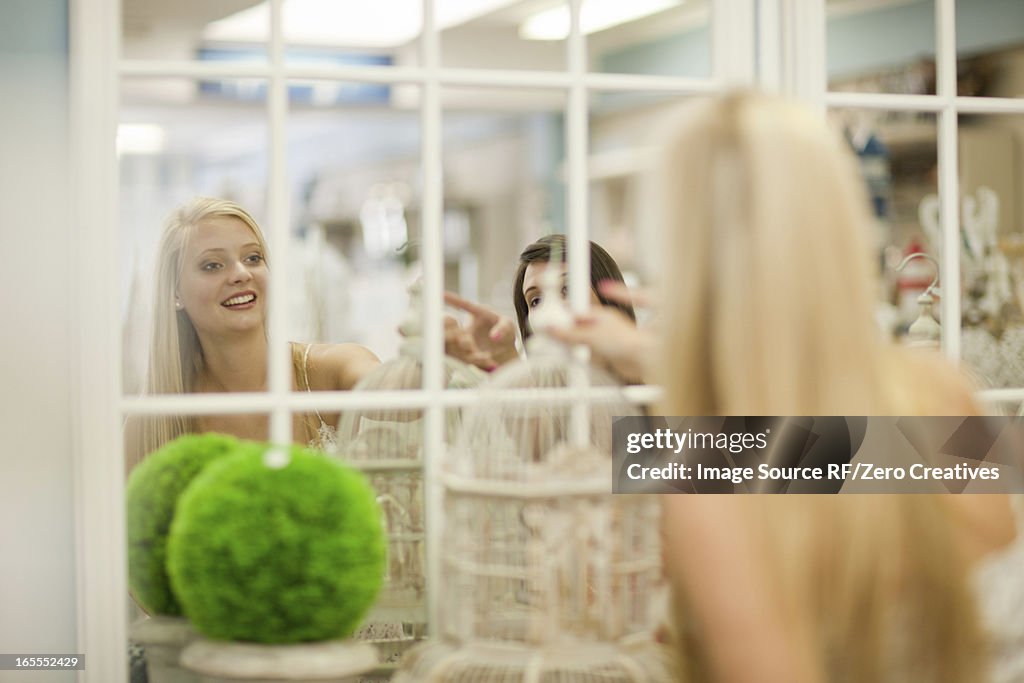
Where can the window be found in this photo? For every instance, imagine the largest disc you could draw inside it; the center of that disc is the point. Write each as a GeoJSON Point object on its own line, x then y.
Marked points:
{"type": "Point", "coordinates": [441, 144]}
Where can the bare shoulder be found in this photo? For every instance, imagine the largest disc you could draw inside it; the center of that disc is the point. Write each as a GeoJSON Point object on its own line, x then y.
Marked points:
{"type": "Point", "coordinates": [336, 367]}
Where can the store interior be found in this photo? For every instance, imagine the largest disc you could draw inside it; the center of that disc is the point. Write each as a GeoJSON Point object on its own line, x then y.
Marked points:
{"type": "Point", "coordinates": [194, 119]}
{"type": "Point", "coordinates": [355, 173]}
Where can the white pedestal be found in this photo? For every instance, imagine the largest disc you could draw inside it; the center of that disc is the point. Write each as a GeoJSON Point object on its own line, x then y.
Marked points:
{"type": "Point", "coordinates": [333, 661]}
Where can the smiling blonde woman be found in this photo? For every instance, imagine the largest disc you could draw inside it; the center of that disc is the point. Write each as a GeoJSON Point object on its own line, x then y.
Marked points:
{"type": "Point", "coordinates": [209, 331]}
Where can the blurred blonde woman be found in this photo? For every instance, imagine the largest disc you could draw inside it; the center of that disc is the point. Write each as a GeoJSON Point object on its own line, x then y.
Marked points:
{"type": "Point", "coordinates": [765, 226]}
{"type": "Point", "coordinates": [209, 330]}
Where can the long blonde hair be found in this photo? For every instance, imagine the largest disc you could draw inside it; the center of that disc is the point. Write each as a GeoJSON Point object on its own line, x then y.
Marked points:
{"type": "Point", "coordinates": [175, 356]}
{"type": "Point", "coordinates": [769, 311]}
{"type": "Point", "coordinates": [768, 253]}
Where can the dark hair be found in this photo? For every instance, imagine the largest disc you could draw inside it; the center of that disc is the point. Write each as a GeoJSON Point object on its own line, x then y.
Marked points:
{"type": "Point", "coordinates": [602, 267]}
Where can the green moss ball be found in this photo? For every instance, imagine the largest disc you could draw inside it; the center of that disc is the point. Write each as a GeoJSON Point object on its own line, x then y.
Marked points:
{"type": "Point", "coordinates": [282, 555]}
{"type": "Point", "coordinates": [150, 498]}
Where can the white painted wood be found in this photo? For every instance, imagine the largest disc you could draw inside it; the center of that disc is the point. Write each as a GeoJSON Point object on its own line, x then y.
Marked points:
{"type": "Point", "coordinates": [280, 361]}
{"type": "Point", "coordinates": [577, 202]}
{"type": "Point", "coordinates": [234, 404]}
{"type": "Point", "coordinates": [804, 51]}
{"type": "Point", "coordinates": [445, 76]}
{"type": "Point", "coordinates": [949, 181]}
{"type": "Point", "coordinates": [102, 594]}
{"type": "Point", "coordinates": [432, 257]}
{"type": "Point", "coordinates": [733, 61]}
{"type": "Point", "coordinates": [769, 45]}
{"type": "Point", "coordinates": [885, 101]}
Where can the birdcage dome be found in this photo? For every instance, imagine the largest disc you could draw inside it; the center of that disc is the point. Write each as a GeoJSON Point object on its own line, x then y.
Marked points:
{"type": "Point", "coordinates": [516, 432]}
{"type": "Point", "coordinates": [641, 660]}
{"type": "Point", "coordinates": [548, 576]}
{"type": "Point", "coordinates": [386, 443]}
{"type": "Point", "coordinates": [385, 434]}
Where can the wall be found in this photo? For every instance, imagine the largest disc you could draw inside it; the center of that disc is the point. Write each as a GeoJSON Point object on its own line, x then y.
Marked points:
{"type": "Point", "coordinates": [37, 573]}
{"type": "Point", "coordinates": [895, 35]}
{"type": "Point", "coordinates": [685, 54]}
{"type": "Point", "coordinates": [1011, 84]}
{"type": "Point", "coordinates": [857, 42]}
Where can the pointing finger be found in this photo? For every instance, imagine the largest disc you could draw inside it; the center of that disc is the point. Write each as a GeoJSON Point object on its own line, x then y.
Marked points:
{"type": "Point", "coordinates": [472, 307]}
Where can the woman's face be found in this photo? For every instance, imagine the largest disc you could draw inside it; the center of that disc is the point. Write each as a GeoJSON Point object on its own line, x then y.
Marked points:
{"type": "Point", "coordinates": [533, 280]}
{"type": "Point", "coordinates": [223, 280]}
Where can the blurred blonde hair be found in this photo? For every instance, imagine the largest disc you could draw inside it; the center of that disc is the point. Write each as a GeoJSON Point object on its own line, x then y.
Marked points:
{"type": "Point", "coordinates": [767, 253]}
{"type": "Point", "coordinates": [766, 225]}
{"type": "Point", "coordinates": [176, 356]}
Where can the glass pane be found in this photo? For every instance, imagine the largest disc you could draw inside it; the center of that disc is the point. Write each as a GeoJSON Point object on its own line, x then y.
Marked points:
{"type": "Point", "coordinates": [354, 169]}
{"type": "Point", "coordinates": [881, 47]}
{"type": "Point", "coordinates": [897, 155]}
{"type": "Point", "coordinates": [352, 33]}
{"type": "Point", "coordinates": [990, 48]}
{"type": "Point", "coordinates": [503, 163]}
{"type": "Point", "coordinates": [316, 32]}
{"type": "Point", "coordinates": [192, 30]}
{"type": "Point", "coordinates": [992, 251]}
{"type": "Point", "coordinates": [502, 34]}
{"type": "Point", "coordinates": [621, 150]}
{"type": "Point", "coordinates": [177, 140]}
{"type": "Point", "coordinates": [659, 37]}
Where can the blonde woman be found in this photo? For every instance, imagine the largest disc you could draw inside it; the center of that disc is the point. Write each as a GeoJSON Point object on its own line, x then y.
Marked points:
{"type": "Point", "coordinates": [209, 332]}
{"type": "Point", "coordinates": [765, 230]}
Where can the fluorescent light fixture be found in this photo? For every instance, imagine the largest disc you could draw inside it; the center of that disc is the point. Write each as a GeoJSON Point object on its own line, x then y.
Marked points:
{"type": "Point", "coordinates": [346, 23]}
{"type": "Point", "coordinates": [595, 15]}
{"type": "Point", "coordinates": [140, 138]}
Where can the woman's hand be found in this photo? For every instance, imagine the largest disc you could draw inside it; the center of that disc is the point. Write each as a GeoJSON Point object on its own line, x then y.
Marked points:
{"type": "Point", "coordinates": [488, 341]}
{"type": "Point", "coordinates": [611, 336]}
{"type": "Point", "coordinates": [616, 291]}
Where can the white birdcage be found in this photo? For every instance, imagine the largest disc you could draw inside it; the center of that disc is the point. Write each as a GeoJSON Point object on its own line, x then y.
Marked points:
{"type": "Point", "coordinates": [387, 445]}
{"type": "Point", "coordinates": [548, 577]}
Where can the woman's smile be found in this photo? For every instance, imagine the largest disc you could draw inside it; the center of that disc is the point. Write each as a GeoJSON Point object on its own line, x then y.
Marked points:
{"type": "Point", "coordinates": [223, 269]}
{"type": "Point", "coordinates": [242, 301]}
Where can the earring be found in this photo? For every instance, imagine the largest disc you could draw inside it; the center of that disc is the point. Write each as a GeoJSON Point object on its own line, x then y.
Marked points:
{"type": "Point", "coordinates": [178, 305]}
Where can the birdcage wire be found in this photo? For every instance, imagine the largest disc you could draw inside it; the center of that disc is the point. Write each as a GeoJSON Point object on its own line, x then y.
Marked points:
{"type": "Point", "coordinates": [548, 577]}
{"type": "Point", "coordinates": [386, 444]}
{"type": "Point", "coordinates": [446, 662]}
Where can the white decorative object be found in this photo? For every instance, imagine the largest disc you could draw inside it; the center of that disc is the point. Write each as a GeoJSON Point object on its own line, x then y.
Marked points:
{"type": "Point", "coordinates": [925, 331]}
{"type": "Point", "coordinates": [996, 362]}
{"type": "Point", "coordinates": [547, 575]}
{"type": "Point", "coordinates": [992, 341]}
{"type": "Point", "coordinates": [332, 661]}
{"type": "Point", "coordinates": [985, 269]}
{"type": "Point", "coordinates": [386, 444]}
{"type": "Point", "coordinates": [162, 639]}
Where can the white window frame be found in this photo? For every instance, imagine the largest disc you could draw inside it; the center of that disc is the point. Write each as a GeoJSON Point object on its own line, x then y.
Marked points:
{"type": "Point", "coordinates": [777, 44]}
{"type": "Point", "coordinates": [807, 20]}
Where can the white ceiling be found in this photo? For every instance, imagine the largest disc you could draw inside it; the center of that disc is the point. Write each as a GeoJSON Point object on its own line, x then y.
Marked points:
{"type": "Point", "coordinates": [172, 29]}
{"type": "Point", "coordinates": [150, 26]}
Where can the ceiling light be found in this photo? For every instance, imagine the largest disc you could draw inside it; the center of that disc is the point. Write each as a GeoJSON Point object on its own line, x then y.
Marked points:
{"type": "Point", "coordinates": [346, 23]}
{"type": "Point", "coordinates": [595, 15]}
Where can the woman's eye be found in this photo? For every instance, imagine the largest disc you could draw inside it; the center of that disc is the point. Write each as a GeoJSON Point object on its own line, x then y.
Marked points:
{"type": "Point", "coordinates": [212, 265]}
{"type": "Point", "coordinates": [254, 258]}
{"type": "Point", "coordinates": [534, 302]}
